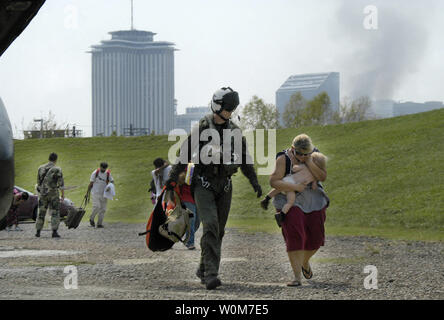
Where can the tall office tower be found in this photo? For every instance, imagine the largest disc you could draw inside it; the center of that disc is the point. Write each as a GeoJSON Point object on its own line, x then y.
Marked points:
{"type": "Point", "coordinates": [309, 85]}
{"type": "Point", "coordinates": [132, 85]}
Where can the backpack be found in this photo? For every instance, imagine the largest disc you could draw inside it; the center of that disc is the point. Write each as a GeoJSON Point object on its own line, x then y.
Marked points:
{"type": "Point", "coordinates": [166, 225]}
{"type": "Point", "coordinates": [107, 175]}
{"type": "Point", "coordinates": [38, 186]}
{"type": "Point", "coordinates": [178, 221]}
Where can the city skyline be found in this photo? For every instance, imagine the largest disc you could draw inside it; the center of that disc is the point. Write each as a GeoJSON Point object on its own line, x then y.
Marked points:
{"type": "Point", "coordinates": [263, 44]}
{"type": "Point", "coordinates": [132, 84]}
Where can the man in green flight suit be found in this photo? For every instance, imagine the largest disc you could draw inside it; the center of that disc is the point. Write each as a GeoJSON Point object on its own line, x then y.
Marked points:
{"type": "Point", "coordinates": [49, 181]}
{"type": "Point", "coordinates": [217, 149]}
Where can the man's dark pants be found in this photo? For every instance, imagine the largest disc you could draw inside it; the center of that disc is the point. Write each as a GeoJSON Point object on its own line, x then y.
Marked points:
{"type": "Point", "coordinates": [213, 205]}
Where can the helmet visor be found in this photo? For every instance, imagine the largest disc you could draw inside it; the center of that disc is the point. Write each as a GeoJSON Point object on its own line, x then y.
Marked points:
{"type": "Point", "coordinates": [230, 101]}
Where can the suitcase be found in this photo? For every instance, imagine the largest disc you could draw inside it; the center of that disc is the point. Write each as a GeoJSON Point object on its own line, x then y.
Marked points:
{"type": "Point", "coordinates": [75, 215]}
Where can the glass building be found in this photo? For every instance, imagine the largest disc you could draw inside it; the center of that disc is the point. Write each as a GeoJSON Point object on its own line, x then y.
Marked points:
{"type": "Point", "coordinates": [132, 85]}
{"type": "Point", "coordinates": [309, 85]}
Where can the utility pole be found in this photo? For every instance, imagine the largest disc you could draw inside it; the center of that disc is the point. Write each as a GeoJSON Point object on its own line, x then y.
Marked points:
{"type": "Point", "coordinates": [41, 126]}
{"type": "Point", "coordinates": [132, 26]}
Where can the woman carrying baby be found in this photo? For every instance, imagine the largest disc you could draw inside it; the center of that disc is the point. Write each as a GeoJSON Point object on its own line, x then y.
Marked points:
{"type": "Point", "coordinates": [297, 173]}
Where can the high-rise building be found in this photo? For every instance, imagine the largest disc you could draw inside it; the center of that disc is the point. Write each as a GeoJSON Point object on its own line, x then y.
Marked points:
{"type": "Point", "coordinates": [132, 84]}
{"type": "Point", "coordinates": [387, 108]}
{"type": "Point", "coordinates": [382, 108]}
{"type": "Point", "coordinates": [409, 107]}
{"type": "Point", "coordinates": [309, 85]}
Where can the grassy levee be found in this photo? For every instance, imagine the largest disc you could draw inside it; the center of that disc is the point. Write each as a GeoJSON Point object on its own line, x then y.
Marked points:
{"type": "Point", "coordinates": [385, 177]}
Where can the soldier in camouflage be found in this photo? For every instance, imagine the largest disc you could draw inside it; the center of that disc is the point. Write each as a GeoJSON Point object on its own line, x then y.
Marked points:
{"type": "Point", "coordinates": [49, 181]}
{"type": "Point", "coordinates": [211, 182]}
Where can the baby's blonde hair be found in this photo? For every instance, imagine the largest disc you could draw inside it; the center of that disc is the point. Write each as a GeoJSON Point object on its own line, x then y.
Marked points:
{"type": "Point", "coordinates": [320, 160]}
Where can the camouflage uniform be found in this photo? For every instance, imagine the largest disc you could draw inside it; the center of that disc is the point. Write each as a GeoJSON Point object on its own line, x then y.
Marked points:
{"type": "Point", "coordinates": [49, 185]}
{"type": "Point", "coordinates": [212, 190]}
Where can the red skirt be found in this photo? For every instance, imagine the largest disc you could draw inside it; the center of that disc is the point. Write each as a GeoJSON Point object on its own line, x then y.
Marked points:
{"type": "Point", "coordinates": [304, 231]}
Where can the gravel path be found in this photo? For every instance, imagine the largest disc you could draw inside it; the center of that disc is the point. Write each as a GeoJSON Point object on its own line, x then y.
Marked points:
{"type": "Point", "coordinates": [114, 263]}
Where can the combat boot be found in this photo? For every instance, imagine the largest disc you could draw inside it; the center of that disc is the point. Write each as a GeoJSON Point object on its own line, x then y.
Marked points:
{"type": "Point", "coordinates": [200, 275]}
{"type": "Point", "coordinates": [55, 234]}
{"type": "Point", "coordinates": [37, 234]}
{"type": "Point", "coordinates": [212, 283]}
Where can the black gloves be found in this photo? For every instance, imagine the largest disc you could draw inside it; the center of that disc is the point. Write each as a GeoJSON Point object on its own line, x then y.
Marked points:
{"type": "Point", "coordinates": [257, 188]}
{"type": "Point", "coordinates": [248, 171]}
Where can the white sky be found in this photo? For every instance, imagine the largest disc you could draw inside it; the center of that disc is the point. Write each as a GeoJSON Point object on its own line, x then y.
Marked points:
{"type": "Point", "coordinates": [251, 45]}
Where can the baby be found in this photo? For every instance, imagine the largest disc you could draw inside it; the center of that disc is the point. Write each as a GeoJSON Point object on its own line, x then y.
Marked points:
{"type": "Point", "coordinates": [301, 174]}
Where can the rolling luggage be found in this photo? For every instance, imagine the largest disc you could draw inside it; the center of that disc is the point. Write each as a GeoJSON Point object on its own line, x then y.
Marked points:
{"type": "Point", "coordinates": [75, 215]}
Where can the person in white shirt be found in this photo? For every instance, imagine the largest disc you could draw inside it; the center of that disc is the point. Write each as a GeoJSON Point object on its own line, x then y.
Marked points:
{"type": "Point", "coordinates": [99, 181]}
{"type": "Point", "coordinates": [160, 174]}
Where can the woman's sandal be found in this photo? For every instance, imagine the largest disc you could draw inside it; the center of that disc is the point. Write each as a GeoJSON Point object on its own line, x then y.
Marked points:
{"type": "Point", "coordinates": [294, 283]}
{"type": "Point", "coordinates": [308, 274]}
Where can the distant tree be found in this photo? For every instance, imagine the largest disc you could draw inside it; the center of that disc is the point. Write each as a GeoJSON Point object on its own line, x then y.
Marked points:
{"type": "Point", "coordinates": [257, 114]}
{"type": "Point", "coordinates": [316, 112]}
{"type": "Point", "coordinates": [353, 110]}
{"type": "Point", "coordinates": [300, 112]}
{"type": "Point", "coordinates": [293, 110]}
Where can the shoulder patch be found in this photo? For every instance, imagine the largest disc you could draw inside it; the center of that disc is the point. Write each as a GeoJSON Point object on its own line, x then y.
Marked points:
{"type": "Point", "coordinates": [203, 123]}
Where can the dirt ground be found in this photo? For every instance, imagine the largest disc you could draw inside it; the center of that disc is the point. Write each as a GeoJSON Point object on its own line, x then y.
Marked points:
{"type": "Point", "coordinates": [114, 263]}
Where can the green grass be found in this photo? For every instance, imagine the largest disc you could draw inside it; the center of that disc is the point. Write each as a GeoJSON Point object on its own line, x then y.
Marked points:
{"type": "Point", "coordinates": [385, 177]}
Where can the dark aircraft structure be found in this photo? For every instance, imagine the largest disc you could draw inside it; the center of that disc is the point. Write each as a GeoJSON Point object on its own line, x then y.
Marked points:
{"type": "Point", "coordinates": [15, 15]}
{"type": "Point", "coordinates": [6, 162]}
